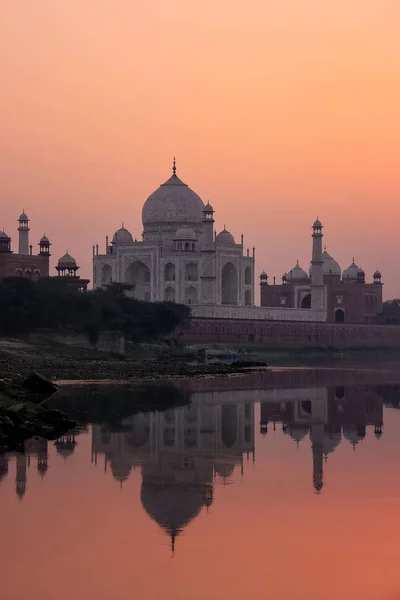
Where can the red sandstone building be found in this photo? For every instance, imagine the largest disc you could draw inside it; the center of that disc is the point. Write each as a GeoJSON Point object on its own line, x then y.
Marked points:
{"type": "Point", "coordinates": [24, 263]}
{"type": "Point", "coordinates": [36, 266]}
{"type": "Point", "coordinates": [348, 297]}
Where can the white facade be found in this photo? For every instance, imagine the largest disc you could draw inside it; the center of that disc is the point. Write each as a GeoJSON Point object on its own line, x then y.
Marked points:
{"type": "Point", "coordinates": [179, 258]}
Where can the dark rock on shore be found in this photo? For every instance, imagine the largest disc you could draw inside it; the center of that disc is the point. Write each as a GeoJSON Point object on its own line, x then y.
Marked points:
{"type": "Point", "coordinates": [36, 384]}
{"type": "Point", "coordinates": [22, 417]}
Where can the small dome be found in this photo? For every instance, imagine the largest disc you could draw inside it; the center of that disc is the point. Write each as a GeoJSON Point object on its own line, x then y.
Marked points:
{"type": "Point", "coordinates": [23, 216]}
{"type": "Point", "coordinates": [263, 275]}
{"type": "Point", "coordinates": [208, 208]}
{"type": "Point", "coordinates": [3, 235]}
{"type": "Point", "coordinates": [317, 224]}
{"type": "Point", "coordinates": [351, 271]}
{"type": "Point", "coordinates": [44, 240]}
{"type": "Point", "coordinates": [297, 274]}
{"type": "Point", "coordinates": [122, 236]}
{"type": "Point", "coordinates": [185, 233]}
{"type": "Point", "coordinates": [377, 274]}
{"type": "Point", "coordinates": [66, 261]}
{"type": "Point", "coordinates": [361, 271]}
{"type": "Point", "coordinates": [224, 238]}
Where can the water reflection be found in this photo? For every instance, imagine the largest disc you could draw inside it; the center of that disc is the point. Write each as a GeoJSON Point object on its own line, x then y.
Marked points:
{"type": "Point", "coordinates": [180, 452]}
{"type": "Point", "coordinates": [326, 415]}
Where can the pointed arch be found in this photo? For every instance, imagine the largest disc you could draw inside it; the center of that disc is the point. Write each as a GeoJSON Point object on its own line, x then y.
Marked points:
{"type": "Point", "coordinates": [169, 294]}
{"type": "Point", "coordinates": [191, 295]}
{"type": "Point", "coordinates": [229, 284]}
{"type": "Point", "coordinates": [138, 276]}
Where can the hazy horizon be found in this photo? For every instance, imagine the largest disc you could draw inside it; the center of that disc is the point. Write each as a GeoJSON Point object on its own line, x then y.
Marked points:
{"type": "Point", "coordinates": [276, 112]}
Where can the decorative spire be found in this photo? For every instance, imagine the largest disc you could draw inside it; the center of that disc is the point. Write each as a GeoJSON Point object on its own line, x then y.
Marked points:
{"type": "Point", "coordinates": [174, 167]}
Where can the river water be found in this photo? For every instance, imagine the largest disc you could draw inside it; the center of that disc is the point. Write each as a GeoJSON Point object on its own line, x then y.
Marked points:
{"type": "Point", "coordinates": [290, 489]}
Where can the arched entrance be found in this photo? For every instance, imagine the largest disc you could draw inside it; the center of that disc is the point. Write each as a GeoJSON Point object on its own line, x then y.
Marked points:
{"type": "Point", "coordinates": [169, 294]}
{"type": "Point", "coordinates": [106, 274]}
{"type": "Point", "coordinates": [247, 298]}
{"type": "Point", "coordinates": [247, 276]}
{"type": "Point", "coordinates": [229, 284]}
{"type": "Point", "coordinates": [191, 295]}
{"type": "Point", "coordinates": [306, 301]}
{"type": "Point", "coordinates": [138, 276]}
{"type": "Point", "coordinates": [339, 315]}
{"type": "Point", "coordinates": [191, 272]}
{"type": "Point", "coordinates": [169, 272]}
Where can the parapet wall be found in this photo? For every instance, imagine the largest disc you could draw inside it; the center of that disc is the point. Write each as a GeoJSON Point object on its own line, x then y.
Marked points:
{"type": "Point", "coordinates": [253, 330]}
{"type": "Point", "coordinates": [258, 313]}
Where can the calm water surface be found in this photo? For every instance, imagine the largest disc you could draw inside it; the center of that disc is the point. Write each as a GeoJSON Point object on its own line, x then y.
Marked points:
{"type": "Point", "coordinates": [283, 492]}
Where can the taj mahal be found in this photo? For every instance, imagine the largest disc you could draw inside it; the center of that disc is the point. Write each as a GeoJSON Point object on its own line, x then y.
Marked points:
{"type": "Point", "coordinates": [180, 257]}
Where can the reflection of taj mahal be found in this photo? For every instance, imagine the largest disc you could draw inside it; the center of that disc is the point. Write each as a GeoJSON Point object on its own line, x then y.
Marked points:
{"type": "Point", "coordinates": [180, 258]}
{"type": "Point", "coordinates": [180, 453]}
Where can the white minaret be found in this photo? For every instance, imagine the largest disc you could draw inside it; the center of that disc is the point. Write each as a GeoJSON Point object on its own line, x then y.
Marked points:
{"type": "Point", "coordinates": [317, 269]}
{"type": "Point", "coordinates": [23, 246]}
{"type": "Point", "coordinates": [208, 258]}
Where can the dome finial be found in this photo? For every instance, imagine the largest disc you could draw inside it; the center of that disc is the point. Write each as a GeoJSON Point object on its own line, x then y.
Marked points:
{"type": "Point", "coordinates": [174, 167]}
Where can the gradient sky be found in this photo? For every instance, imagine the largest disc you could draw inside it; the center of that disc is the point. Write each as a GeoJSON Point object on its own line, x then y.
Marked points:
{"type": "Point", "coordinates": [277, 111]}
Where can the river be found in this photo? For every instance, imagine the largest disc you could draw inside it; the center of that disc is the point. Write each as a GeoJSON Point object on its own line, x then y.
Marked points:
{"type": "Point", "coordinates": [283, 488]}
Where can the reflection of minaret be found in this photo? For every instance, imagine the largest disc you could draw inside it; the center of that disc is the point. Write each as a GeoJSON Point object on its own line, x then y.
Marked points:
{"type": "Point", "coordinates": [318, 460]}
{"type": "Point", "coordinates": [20, 478]}
{"type": "Point", "coordinates": [42, 457]}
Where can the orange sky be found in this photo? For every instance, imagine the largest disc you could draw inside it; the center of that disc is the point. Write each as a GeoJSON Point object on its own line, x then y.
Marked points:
{"type": "Point", "coordinates": [278, 111]}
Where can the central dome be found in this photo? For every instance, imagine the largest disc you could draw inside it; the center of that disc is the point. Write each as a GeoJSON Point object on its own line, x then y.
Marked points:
{"type": "Point", "coordinates": [173, 202]}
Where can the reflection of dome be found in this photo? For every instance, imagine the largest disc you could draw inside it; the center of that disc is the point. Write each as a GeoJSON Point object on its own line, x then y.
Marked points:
{"type": "Point", "coordinates": [297, 274]}
{"type": "Point", "coordinates": [351, 271]}
{"type": "Point", "coordinates": [173, 202]}
{"type": "Point", "coordinates": [352, 435]}
{"type": "Point", "coordinates": [185, 233]}
{"type": "Point", "coordinates": [172, 507]}
{"type": "Point", "coordinates": [330, 441]}
{"type": "Point", "coordinates": [224, 470]}
{"type": "Point", "coordinates": [66, 261]}
{"type": "Point", "coordinates": [120, 468]}
{"type": "Point", "coordinates": [122, 236]}
{"type": "Point", "coordinates": [297, 433]}
{"type": "Point", "coordinates": [65, 448]}
{"type": "Point", "coordinates": [225, 238]}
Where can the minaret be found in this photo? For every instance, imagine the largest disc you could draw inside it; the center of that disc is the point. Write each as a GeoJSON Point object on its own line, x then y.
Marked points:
{"type": "Point", "coordinates": [23, 247]}
{"type": "Point", "coordinates": [20, 479]}
{"type": "Point", "coordinates": [317, 454]}
{"type": "Point", "coordinates": [317, 269]}
{"type": "Point", "coordinates": [208, 258]}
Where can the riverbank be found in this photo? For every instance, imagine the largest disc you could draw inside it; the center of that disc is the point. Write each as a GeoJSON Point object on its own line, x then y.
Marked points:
{"type": "Point", "coordinates": [159, 361]}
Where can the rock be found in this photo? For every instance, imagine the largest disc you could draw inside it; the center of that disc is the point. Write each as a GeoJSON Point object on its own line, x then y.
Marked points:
{"type": "Point", "coordinates": [17, 409]}
{"type": "Point", "coordinates": [36, 384]}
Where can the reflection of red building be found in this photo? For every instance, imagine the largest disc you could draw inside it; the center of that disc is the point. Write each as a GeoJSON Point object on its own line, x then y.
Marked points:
{"type": "Point", "coordinates": [327, 415]}
{"type": "Point", "coordinates": [24, 263]}
{"type": "Point", "coordinates": [349, 299]}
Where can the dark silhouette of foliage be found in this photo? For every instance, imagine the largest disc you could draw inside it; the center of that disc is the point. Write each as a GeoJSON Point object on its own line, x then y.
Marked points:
{"type": "Point", "coordinates": [391, 308]}
{"type": "Point", "coordinates": [49, 304]}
